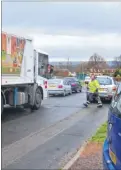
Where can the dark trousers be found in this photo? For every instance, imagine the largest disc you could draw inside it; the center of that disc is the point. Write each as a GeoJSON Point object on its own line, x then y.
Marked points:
{"type": "Point", "coordinates": [93, 95]}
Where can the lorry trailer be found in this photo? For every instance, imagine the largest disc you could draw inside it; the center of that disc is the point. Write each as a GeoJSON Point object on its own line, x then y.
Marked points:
{"type": "Point", "coordinates": [22, 82]}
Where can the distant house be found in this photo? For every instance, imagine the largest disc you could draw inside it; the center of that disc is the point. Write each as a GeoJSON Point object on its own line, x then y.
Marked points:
{"type": "Point", "coordinates": [61, 72]}
{"type": "Point", "coordinates": [100, 72]}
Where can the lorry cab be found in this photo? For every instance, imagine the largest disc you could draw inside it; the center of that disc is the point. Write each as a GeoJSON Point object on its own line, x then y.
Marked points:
{"type": "Point", "coordinates": [112, 144]}
{"type": "Point", "coordinates": [41, 60]}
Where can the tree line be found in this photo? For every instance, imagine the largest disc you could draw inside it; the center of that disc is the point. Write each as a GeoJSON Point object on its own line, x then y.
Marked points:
{"type": "Point", "coordinates": [96, 63]}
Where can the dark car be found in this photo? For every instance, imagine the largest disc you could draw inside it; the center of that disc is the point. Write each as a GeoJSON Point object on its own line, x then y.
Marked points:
{"type": "Point", "coordinates": [75, 84]}
{"type": "Point", "coordinates": [112, 144]}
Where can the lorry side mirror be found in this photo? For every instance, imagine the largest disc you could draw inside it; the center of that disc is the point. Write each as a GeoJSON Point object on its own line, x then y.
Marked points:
{"type": "Point", "coordinates": [51, 70]}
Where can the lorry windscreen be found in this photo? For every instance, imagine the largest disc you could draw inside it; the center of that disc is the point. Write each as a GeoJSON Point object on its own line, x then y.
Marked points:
{"type": "Point", "coordinates": [43, 65]}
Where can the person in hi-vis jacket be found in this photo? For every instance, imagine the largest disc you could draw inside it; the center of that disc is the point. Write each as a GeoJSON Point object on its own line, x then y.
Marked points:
{"type": "Point", "coordinates": [93, 87]}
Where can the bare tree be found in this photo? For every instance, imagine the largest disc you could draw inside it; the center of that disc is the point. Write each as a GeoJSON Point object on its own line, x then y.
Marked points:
{"type": "Point", "coordinates": [80, 68]}
{"type": "Point", "coordinates": [61, 65]}
{"type": "Point", "coordinates": [96, 62]}
{"type": "Point", "coordinates": [77, 69]}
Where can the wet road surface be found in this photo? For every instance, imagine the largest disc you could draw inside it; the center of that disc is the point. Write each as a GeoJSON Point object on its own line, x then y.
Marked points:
{"type": "Point", "coordinates": [17, 123]}
{"type": "Point", "coordinates": [49, 137]}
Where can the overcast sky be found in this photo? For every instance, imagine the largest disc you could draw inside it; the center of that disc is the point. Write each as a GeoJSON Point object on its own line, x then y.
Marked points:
{"type": "Point", "coordinates": [74, 29]}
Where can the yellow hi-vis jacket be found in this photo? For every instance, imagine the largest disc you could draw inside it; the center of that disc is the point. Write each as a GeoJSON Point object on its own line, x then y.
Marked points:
{"type": "Point", "coordinates": [93, 86]}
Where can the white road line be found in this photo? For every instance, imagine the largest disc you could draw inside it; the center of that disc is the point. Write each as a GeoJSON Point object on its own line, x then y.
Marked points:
{"type": "Point", "coordinates": [77, 155]}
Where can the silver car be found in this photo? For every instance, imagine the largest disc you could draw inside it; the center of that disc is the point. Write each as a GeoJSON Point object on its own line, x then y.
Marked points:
{"type": "Point", "coordinates": [87, 80]}
{"type": "Point", "coordinates": [59, 87]}
{"type": "Point", "coordinates": [108, 87]}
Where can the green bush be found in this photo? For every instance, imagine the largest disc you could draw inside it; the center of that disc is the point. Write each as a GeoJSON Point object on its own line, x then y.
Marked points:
{"type": "Point", "coordinates": [117, 73]}
{"type": "Point", "coordinates": [118, 76]}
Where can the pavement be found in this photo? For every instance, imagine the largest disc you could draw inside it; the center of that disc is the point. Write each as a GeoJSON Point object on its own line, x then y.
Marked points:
{"type": "Point", "coordinates": [89, 158]}
{"type": "Point", "coordinates": [48, 138]}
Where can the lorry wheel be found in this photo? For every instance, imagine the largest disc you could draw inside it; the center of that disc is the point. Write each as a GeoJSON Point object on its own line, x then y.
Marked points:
{"type": "Point", "coordinates": [38, 99]}
{"type": "Point", "coordinates": [2, 105]}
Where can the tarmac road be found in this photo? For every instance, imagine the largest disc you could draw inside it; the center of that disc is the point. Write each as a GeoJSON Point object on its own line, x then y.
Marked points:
{"type": "Point", "coordinates": [49, 137]}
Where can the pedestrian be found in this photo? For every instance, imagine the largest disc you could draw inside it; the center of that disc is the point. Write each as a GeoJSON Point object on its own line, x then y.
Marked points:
{"type": "Point", "coordinates": [92, 92]}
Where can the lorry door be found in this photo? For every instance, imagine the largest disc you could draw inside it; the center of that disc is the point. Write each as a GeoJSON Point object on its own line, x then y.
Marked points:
{"type": "Point", "coordinates": [44, 84]}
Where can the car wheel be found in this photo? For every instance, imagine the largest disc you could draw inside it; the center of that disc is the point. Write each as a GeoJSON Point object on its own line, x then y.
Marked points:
{"type": "Point", "coordinates": [94, 100]}
{"type": "Point", "coordinates": [103, 100]}
{"type": "Point", "coordinates": [64, 94]}
{"type": "Point", "coordinates": [70, 92]}
{"type": "Point", "coordinates": [80, 89]}
{"type": "Point", "coordinates": [77, 90]}
{"type": "Point", "coordinates": [110, 100]}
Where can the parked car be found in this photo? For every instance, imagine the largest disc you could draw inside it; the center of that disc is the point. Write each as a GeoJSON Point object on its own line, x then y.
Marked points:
{"type": "Point", "coordinates": [75, 84]}
{"type": "Point", "coordinates": [108, 87]}
{"type": "Point", "coordinates": [59, 87]}
{"type": "Point", "coordinates": [112, 144]}
{"type": "Point", "coordinates": [87, 80]}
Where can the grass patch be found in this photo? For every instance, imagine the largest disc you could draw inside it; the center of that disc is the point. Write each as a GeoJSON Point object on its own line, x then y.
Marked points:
{"type": "Point", "coordinates": [100, 134]}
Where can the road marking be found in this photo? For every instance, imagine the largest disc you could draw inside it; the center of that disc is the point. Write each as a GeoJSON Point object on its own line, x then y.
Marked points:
{"type": "Point", "coordinates": [77, 155]}
{"type": "Point", "coordinates": [20, 148]}
{"type": "Point", "coordinates": [68, 106]}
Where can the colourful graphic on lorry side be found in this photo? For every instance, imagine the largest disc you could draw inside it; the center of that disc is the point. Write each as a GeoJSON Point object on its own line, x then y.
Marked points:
{"type": "Point", "coordinates": [12, 54]}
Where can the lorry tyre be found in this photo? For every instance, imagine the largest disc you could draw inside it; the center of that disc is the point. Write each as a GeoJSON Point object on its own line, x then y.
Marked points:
{"type": "Point", "coordinates": [2, 104]}
{"type": "Point", "coordinates": [38, 99]}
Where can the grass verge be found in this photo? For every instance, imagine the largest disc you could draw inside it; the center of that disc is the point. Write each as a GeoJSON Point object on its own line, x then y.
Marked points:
{"type": "Point", "coordinates": [100, 134]}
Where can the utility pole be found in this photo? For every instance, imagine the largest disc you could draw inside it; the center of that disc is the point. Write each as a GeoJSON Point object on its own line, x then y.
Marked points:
{"type": "Point", "coordinates": [68, 63]}
{"type": "Point", "coordinates": [83, 70]}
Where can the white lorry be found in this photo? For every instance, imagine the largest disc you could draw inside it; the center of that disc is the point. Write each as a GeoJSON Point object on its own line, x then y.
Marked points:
{"type": "Point", "coordinates": [22, 70]}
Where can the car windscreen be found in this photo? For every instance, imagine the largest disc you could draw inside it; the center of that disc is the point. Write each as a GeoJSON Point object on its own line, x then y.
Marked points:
{"type": "Point", "coordinates": [104, 80]}
{"type": "Point", "coordinates": [54, 81]}
{"type": "Point", "coordinates": [116, 105]}
{"type": "Point", "coordinates": [70, 79]}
